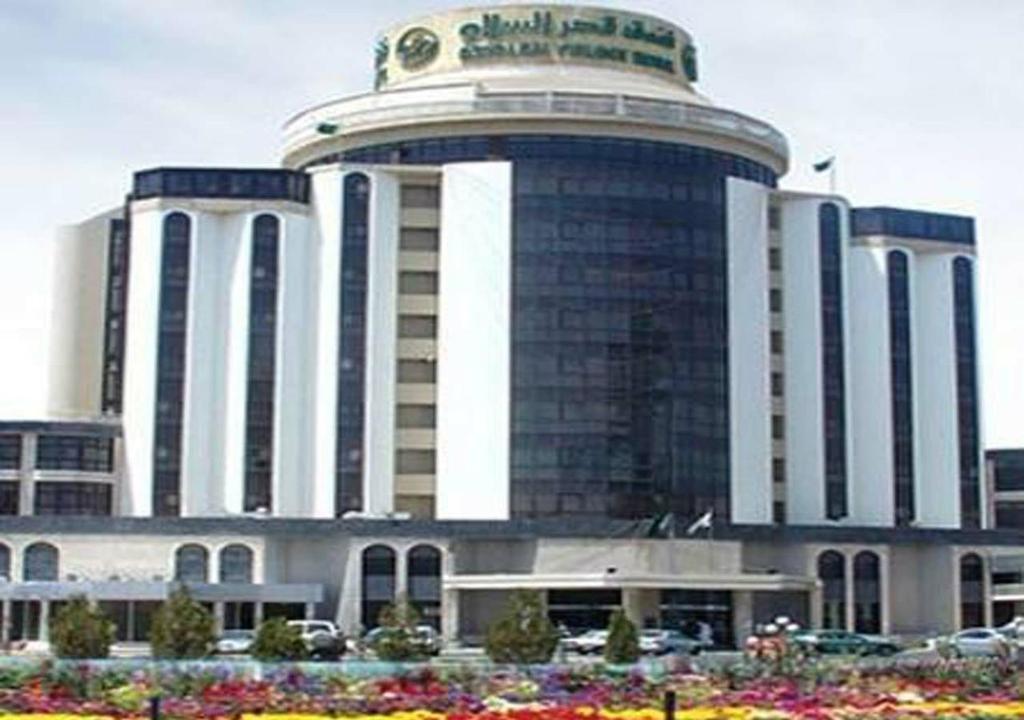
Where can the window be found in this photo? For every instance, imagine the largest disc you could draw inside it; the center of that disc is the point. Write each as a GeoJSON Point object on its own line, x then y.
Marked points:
{"type": "Point", "coordinates": [352, 344]}
{"type": "Point", "coordinates": [424, 581]}
{"type": "Point", "coordinates": [262, 363]}
{"type": "Point", "coordinates": [901, 372]}
{"type": "Point", "coordinates": [972, 591]}
{"type": "Point", "coordinates": [778, 385]}
{"type": "Point", "coordinates": [248, 184]}
{"type": "Point", "coordinates": [192, 564]}
{"type": "Point", "coordinates": [10, 495]}
{"type": "Point", "coordinates": [775, 300]}
{"type": "Point", "coordinates": [116, 314]}
{"type": "Point", "coordinates": [867, 594]}
{"type": "Point", "coordinates": [41, 563]}
{"type": "Point", "coordinates": [5, 562]}
{"type": "Point", "coordinates": [778, 470]}
{"type": "Point", "coordinates": [417, 371]}
{"type": "Point", "coordinates": [421, 196]}
{"type": "Point", "coordinates": [416, 416]}
{"type": "Point", "coordinates": [416, 462]}
{"type": "Point", "coordinates": [774, 217]}
{"type": "Point", "coordinates": [10, 452]}
{"type": "Point", "coordinates": [832, 360]}
{"type": "Point", "coordinates": [378, 578]}
{"type": "Point", "coordinates": [73, 498]}
{"type": "Point", "coordinates": [776, 342]}
{"type": "Point", "coordinates": [778, 427]}
{"type": "Point", "coordinates": [417, 326]}
{"type": "Point", "coordinates": [967, 393]}
{"type": "Point", "coordinates": [236, 564]}
{"type": "Point", "coordinates": [417, 283]}
{"type": "Point", "coordinates": [774, 259]}
{"type": "Point", "coordinates": [419, 239]}
{"type": "Point", "coordinates": [76, 453]}
{"type": "Point", "coordinates": [173, 320]}
{"type": "Point", "coordinates": [832, 573]}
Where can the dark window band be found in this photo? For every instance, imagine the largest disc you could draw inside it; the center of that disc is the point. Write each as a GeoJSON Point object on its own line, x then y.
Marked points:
{"type": "Point", "coordinates": [833, 366]}
{"type": "Point", "coordinates": [967, 393]}
{"type": "Point", "coordinates": [901, 374]}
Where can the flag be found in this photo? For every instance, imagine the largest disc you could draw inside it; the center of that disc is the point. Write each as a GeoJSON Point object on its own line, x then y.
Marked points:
{"type": "Point", "coordinates": [701, 523]}
{"type": "Point", "coordinates": [824, 164]}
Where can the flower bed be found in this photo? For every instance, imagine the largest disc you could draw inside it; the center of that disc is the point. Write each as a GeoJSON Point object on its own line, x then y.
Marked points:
{"type": "Point", "coordinates": [956, 691]}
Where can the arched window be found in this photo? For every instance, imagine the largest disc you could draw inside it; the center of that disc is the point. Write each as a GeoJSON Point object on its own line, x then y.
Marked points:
{"type": "Point", "coordinates": [832, 573]}
{"type": "Point", "coordinates": [5, 562]}
{"type": "Point", "coordinates": [170, 364]}
{"type": "Point", "coordinates": [967, 393]}
{"type": "Point", "coordinates": [424, 582]}
{"type": "Point", "coordinates": [192, 564]}
{"type": "Point", "coordinates": [832, 361]}
{"type": "Point", "coordinates": [902, 380]}
{"type": "Point", "coordinates": [42, 563]}
{"type": "Point", "coordinates": [352, 344]}
{"type": "Point", "coordinates": [378, 582]}
{"type": "Point", "coordinates": [867, 593]}
{"type": "Point", "coordinates": [972, 591]}
{"type": "Point", "coordinates": [236, 564]}
{"type": "Point", "coordinates": [259, 410]}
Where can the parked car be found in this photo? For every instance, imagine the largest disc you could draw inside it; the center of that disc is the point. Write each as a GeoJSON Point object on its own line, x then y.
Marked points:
{"type": "Point", "coordinates": [235, 642]}
{"type": "Point", "coordinates": [322, 637]}
{"type": "Point", "coordinates": [665, 642]}
{"type": "Point", "coordinates": [425, 636]}
{"type": "Point", "coordinates": [977, 642]}
{"type": "Point", "coordinates": [591, 642]}
{"type": "Point", "coordinates": [841, 642]}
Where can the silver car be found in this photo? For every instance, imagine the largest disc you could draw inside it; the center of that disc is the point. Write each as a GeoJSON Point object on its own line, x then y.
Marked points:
{"type": "Point", "coordinates": [235, 642]}
{"type": "Point", "coordinates": [979, 642]}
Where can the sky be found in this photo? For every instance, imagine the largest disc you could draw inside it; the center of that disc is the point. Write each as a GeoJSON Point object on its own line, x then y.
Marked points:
{"type": "Point", "coordinates": [921, 101]}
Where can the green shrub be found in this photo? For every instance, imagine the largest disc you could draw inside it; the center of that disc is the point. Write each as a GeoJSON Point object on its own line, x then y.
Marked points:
{"type": "Point", "coordinates": [623, 644]}
{"type": "Point", "coordinates": [396, 639]}
{"type": "Point", "coordinates": [182, 628]}
{"type": "Point", "coordinates": [80, 631]}
{"type": "Point", "coordinates": [276, 641]}
{"type": "Point", "coordinates": [523, 634]}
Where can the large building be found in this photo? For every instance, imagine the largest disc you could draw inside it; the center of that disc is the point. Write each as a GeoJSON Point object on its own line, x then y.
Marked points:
{"type": "Point", "coordinates": [518, 317]}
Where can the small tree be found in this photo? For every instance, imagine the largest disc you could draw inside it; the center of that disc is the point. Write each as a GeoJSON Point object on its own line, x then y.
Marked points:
{"type": "Point", "coordinates": [182, 628]}
{"type": "Point", "coordinates": [523, 634]}
{"type": "Point", "coordinates": [623, 644]}
{"type": "Point", "coordinates": [277, 641]}
{"type": "Point", "coordinates": [397, 641]}
{"type": "Point", "coordinates": [81, 631]}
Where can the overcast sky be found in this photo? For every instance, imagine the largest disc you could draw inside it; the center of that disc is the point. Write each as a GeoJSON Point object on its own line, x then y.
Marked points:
{"type": "Point", "coordinates": [921, 100]}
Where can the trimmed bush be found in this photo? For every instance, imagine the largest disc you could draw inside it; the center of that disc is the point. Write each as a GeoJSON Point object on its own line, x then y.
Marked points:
{"type": "Point", "coordinates": [396, 639]}
{"type": "Point", "coordinates": [80, 631]}
{"type": "Point", "coordinates": [182, 628]}
{"type": "Point", "coordinates": [623, 646]}
{"type": "Point", "coordinates": [278, 641]}
{"type": "Point", "coordinates": [523, 634]}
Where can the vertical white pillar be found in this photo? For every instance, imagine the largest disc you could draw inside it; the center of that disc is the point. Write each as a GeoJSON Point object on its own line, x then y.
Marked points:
{"type": "Point", "coordinates": [326, 195]}
{"type": "Point", "coordinates": [381, 345]}
{"type": "Point", "coordinates": [216, 242]}
{"type": "Point", "coordinates": [294, 429]}
{"type": "Point", "coordinates": [936, 430]}
{"type": "Point", "coordinates": [237, 281]}
{"type": "Point", "coordinates": [750, 446]}
{"type": "Point", "coordinates": [474, 342]}
{"type": "Point", "coordinates": [870, 397]}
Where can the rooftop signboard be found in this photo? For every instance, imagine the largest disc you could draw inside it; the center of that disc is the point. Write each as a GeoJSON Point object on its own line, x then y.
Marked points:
{"type": "Point", "coordinates": [512, 35]}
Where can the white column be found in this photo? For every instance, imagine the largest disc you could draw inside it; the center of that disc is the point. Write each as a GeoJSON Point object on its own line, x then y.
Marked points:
{"type": "Point", "coordinates": [749, 371]}
{"type": "Point", "coordinates": [237, 281]}
{"type": "Point", "coordinates": [326, 196]}
{"type": "Point", "coordinates": [870, 397]}
{"type": "Point", "coordinates": [474, 342]}
{"type": "Point", "coordinates": [212, 331]}
{"type": "Point", "coordinates": [381, 345]}
{"type": "Point", "coordinates": [294, 429]}
{"type": "Point", "coordinates": [141, 358]}
{"type": "Point", "coordinates": [936, 430]}
{"type": "Point", "coordinates": [805, 448]}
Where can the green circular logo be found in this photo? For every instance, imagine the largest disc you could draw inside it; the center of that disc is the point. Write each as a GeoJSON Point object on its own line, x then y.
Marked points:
{"type": "Point", "coordinates": [417, 48]}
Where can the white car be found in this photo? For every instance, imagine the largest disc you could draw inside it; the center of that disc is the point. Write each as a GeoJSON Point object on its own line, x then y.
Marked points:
{"type": "Point", "coordinates": [590, 642]}
{"type": "Point", "coordinates": [311, 628]}
{"type": "Point", "coordinates": [979, 642]}
{"type": "Point", "coordinates": [235, 642]}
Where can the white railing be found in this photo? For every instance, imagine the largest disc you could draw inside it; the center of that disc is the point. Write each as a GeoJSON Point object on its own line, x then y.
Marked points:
{"type": "Point", "coordinates": [303, 129]}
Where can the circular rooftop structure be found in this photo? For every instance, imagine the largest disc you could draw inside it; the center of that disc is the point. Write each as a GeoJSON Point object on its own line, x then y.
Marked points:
{"type": "Point", "coordinates": [521, 68]}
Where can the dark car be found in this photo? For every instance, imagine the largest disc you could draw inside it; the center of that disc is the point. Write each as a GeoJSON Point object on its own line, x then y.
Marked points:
{"type": "Point", "coordinates": [841, 642]}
